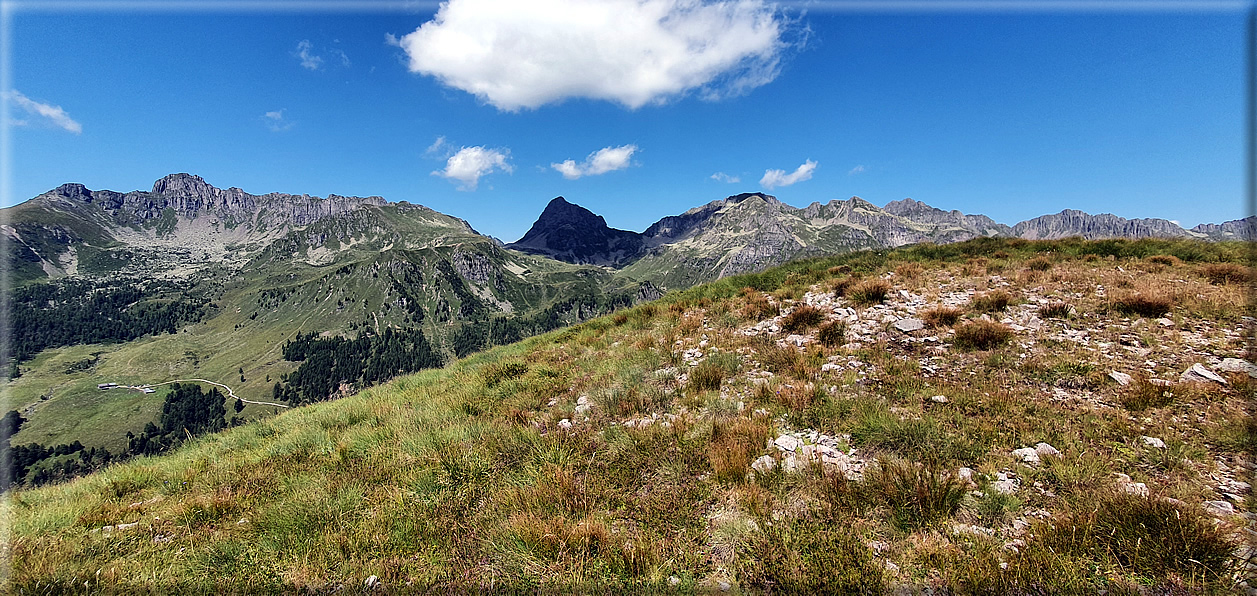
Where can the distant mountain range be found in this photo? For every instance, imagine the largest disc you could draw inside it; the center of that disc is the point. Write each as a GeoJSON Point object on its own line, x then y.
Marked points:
{"type": "Point", "coordinates": [751, 231]}
{"type": "Point", "coordinates": [184, 224]}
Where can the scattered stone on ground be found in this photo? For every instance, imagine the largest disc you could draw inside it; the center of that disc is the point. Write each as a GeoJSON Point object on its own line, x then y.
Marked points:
{"type": "Point", "coordinates": [1199, 374]}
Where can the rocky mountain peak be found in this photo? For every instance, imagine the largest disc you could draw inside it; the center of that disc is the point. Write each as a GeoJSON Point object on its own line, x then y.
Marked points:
{"type": "Point", "coordinates": [572, 233]}
{"type": "Point", "coordinates": [184, 184]}
{"type": "Point", "coordinates": [559, 212]}
{"type": "Point", "coordinates": [73, 190]}
{"type": "Point", "coordinates": [738, 198]}
{"type": "Point", "coordinates": [906, 206]}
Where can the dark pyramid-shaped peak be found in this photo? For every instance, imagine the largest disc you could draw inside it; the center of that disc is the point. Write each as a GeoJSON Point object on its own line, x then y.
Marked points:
{"type": "Point", "coordinates": [569, 232]}
{"type": "Point", "coordinates": [560, 213]}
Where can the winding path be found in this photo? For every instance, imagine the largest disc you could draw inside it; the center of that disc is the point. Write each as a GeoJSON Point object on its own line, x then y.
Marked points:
{"type": "Point", "coordinates": [230, 393]}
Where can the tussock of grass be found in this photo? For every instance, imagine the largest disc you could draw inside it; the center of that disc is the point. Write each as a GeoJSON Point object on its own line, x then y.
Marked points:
{"type": "Point", "coordinates": [810, 557]}
{"type": "Point", "coordinates": [1227, 273]}
{"type": "Point", "coordinates": [1167, 260]}
{"type": "Point", "coordinates": [909, 271]}
{"type": "Point", "coordinates": [802, 318]}
{"type": "Point", "coordinates": [503, 371]}
{"type": "Point", "coordinates": [832, 333]}
{"type": "Point", "coordinates": [1039, 264]}
{"type": "Point", "coordinates": [869, 291]}
{"type": "Point", "coordinates": [918, 494]}
{"type": "Point", "coordinates": [996, 301]}
{"type": "Point", "coordinates": [1240, 435]}
{"type": "Point", "coordinates": [709, 373]}
{"type": "Point", "coordinates": [841, 286]}
{"type": "Point", "coordinates": [1144, 304]}
{"type": "Point", "coordinates": [982, 335]}
{"type": "Point", "coordinates": [1055, 310]}
{"type": "Point", "coordinates": [941, 316]}
{"type": "Point", "coordinates": [734, 445]}
{"type": "Point", "coordinates": [1142, 394]}
{"type": "Point", "coordinates": [1149, 536]}
{"type": "Point", "coordinates": [916, 439]}
{"type": "Point", "coordinates": [778, 359]}
{"type": "Point", "coordinates": [757, 306]}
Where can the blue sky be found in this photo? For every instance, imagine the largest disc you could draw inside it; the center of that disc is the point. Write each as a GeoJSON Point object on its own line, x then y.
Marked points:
{"type": "Point", "coordinates": [1013, 114]}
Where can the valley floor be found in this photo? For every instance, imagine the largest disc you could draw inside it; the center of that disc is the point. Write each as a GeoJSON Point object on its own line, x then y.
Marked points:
{"type": "Point", "coordinates": [989, 417]}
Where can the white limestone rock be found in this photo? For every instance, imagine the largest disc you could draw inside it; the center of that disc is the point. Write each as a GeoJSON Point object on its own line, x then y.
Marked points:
{"type": "Point", "coordinates": [1026, 455]}
{"type": "Point", "coordinates": [1153, 442]}
{"type": "Point", "coordinates": [1198, 373]}
{"type": "Point", "coordinates": [1235, 365]}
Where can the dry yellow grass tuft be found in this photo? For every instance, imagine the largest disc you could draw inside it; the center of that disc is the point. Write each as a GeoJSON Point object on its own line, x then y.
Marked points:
{"type": "Point", "coordinates": [870, 291]}
{"type": "Point", "coordinates": [941, 316]}
{"type": "Point", "coordinates": [982, 335]}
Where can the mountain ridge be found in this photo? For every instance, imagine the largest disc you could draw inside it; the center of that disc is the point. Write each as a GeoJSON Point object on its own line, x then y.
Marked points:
{"type": "Point", "coordinates": [701, 235]}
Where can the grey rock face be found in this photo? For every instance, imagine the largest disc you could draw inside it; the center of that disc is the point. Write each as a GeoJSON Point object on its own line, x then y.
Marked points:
{"type": "Point", "coordinates": [473, 267]}
{"type": "Point", "coordinates": [1238, 229]}
{"type": "Point", "coordinates": [192, 197]}
{"type": "Point", "coordinates": [1071, 222]}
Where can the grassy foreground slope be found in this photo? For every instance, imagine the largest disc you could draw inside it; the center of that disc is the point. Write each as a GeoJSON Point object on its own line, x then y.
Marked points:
{"type": "Point", "coordinates": [774, 431]}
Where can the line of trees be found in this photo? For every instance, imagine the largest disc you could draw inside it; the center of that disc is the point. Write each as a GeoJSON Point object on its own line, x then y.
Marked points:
{"type": "Point", "coordinates": [72, 312]}
{"type": "Point", "coordinates": [327, 363]}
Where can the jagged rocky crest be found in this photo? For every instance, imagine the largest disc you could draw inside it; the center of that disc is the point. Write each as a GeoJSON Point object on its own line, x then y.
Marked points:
{"type": "Point", "coordinates": [191, 196]}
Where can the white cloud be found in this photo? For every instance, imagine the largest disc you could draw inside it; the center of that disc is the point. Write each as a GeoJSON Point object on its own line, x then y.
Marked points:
{"type": "Point", "coordinates": [276, 121]}
{"type": "Point", "coordinates": [568, 168]}
{"type": "Point", "coordinates": [470, 163]}
{"type": "Point", "coordinates": [54, 114]}
{"type": "Point", "coordinates": [607, 159]}
{"type": "Point", "coordinates": [723, 177]}
{"type": "Point", "coordinates": [308, 58]}
{"type": "Point", "coordinates": [860, 169]}
{"type": "Point", "coordinates": [515, 54]}
{"type": "Point", "coordinates": [774, 178]}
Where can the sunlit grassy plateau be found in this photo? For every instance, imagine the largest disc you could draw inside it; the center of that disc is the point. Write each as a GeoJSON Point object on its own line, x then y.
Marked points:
{"type": "Point", "coordinates": [617, 454]}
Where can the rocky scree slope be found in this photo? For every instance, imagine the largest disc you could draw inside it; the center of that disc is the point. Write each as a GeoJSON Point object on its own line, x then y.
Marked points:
{"type": "Point", "coordinates": [926, 419]}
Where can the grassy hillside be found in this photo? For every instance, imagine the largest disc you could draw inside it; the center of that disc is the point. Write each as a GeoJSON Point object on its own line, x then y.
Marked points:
{"type": "Point", "coordinates": [443, 277]}
{"type": "Point", "coordinates": [776, 431]}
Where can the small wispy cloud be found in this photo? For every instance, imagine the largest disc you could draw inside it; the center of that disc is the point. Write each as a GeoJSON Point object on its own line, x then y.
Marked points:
{"type": "Point", "coordinates": [52, 114]}
{"type": "Point", "coordinates": [344, 58]}
{"type": "Point", "coordinates": [607, 159]}
{"type": "Point", "coordinates": [860, 169]}
{"type": "Point", "coordinates": [276, 121]}
{"type": "Point", "coordinates": [437, 147]}
{"type": "Point", "coordinates": [775, 178]}
{"type": "Point", "coordinates": [723, 177]}
{"type": "Point", "coordinates": [469, 164]}
{"type": "Point", "coordinates": [305, 53]}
